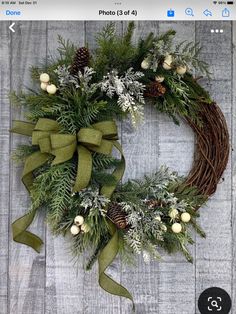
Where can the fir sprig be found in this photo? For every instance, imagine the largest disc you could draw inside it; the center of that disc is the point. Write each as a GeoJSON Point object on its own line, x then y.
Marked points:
{"type": "Point", "coordinates": [114, 52]}
{"type": "Point", "coordinates": [188, 53]}
{"type": "Point", "coordinates": [22, 152]}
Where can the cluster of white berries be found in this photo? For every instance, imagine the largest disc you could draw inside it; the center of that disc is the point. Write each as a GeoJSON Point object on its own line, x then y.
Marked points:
{"type": "Point", "coordinates": [167, 65]}
{"type": "Point", "coordinates": [163, 226]}
{"type": "Point", "coordinates": [174, 214]}
{"type": "Point", "coordinates": [79, 226]}
{"type": "Point", "coordinates": [45, 84]}
{"type": "Point", "coordinates": [184, 217]}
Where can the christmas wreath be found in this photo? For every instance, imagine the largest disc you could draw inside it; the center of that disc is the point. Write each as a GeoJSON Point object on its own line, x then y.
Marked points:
{"type": "Point", "coordinates": [70, 171]}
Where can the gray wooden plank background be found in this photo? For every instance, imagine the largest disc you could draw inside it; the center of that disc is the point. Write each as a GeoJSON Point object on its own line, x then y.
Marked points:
{"type": "Point", "coordinates": [49, 282]}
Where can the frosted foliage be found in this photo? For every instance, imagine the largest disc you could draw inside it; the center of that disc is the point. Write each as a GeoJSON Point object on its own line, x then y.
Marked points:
{"type": "Point", "coordinates": [129, 91]}
{"type": "Point", "coordinates": [92, 200]}
{"type": "Point", "coordinates": [81, 81]}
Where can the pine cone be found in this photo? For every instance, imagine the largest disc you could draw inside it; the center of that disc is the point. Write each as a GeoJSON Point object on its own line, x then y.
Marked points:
{"type": "Point", "coordinates": [155, 89]}
{"type": "Point", "coordinates": [153, 203]}
{"type": "Point", "coordinates": [116, 214]}
{"type": "Point", "coordinates": [81, 60]}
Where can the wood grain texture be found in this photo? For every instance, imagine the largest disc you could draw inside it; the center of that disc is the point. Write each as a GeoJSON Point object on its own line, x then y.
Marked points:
{"type": "Point", "coordinates": [50, 282]}
{"type": "Point", "coordinates": [4, 162]}
{"type": "Point", "coordinates": [64, 280]}
{"type": "Point", "coordinates": [26, 267]}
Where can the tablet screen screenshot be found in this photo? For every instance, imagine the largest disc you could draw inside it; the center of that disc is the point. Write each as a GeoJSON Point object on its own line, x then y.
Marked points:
{"type": "Point", "coordinates": [117, 157]}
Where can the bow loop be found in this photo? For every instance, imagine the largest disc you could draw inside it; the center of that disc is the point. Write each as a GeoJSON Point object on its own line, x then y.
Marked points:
{"type": "Point", "coordinates": [41, 134]}
{"type": "Point", "coordinates": [108, 129]}
{"type": "Point", "coordinates": [50, 125]}
{"type": "Point", "coordinates": [89, 136]}
{"type": "Point", "coordinates": [63, 147]}
{"type": "Point", "coordinates": [104, 148]}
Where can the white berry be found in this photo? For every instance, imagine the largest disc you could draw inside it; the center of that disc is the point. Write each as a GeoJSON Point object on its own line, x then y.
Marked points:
{"type": "Point", "coordinates": [158, 218]}
{"type": "Point", "coordinates": [181, 70]}
{"type": "Point", "coordinates": [167, 64]}
{"type": "Point", "coordinates": [51, 89]}
{"type": "Point", "coordinates": [163, 228]}
{"type": "Point", "coordinates": [74, 230]}
{"type": "Point", "coordinates": [159, 79]}
{"type": "Point", "coordinates": [173, 213]}
{"type": "Point", "coordinates": [79, 220]}
{"type": "Point", "coordinates": [176, 227]}
{"type": "Point", "coordinates": [145, 64]}
{"type": "Point", "coordinates": [185, 217]}
{"type": "Point", "coordinates": [44, 86]}
{"type": "Point", "coordinates": [44, 77]}
{"type": "Point", "coordinates": [85, 228]}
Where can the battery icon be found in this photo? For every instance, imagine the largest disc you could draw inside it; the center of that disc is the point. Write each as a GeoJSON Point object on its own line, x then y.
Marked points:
{"type": "Point", "coordinates": [230, 2]}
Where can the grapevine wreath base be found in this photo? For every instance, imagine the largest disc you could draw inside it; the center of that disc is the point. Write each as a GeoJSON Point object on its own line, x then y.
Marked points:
{"type": "Point", "coordinates": [69, 169]}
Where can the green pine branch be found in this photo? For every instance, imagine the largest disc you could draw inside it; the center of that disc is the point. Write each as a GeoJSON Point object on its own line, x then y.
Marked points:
{"type": "Point", "coordinates": [22, 152]}
{"type": "Point", "coordinates": [101, 162]}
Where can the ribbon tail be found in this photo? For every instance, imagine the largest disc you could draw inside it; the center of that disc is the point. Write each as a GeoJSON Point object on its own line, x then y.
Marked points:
{"type": "Point", "coordinates": [110, 251]}
{"type": "Point", "coordinates": [118, 173]}
{"type": "Point", "coordinates": [21, 235]}
{"type": "Point", "coordinates": [105, 258]}
{"type": "Point", "coordinates": [19, 227]}
{"type": "Point", "coordinates": [84, 168]}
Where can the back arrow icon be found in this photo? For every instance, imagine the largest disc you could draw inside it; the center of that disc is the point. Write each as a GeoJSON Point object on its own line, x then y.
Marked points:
{"type": "Point", "coordinates": [11, 27]}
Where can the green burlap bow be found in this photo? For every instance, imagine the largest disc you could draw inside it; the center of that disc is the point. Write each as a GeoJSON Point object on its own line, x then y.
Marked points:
{"type": "Point", "coordinates": [101, 138]}
{"type": "Point", "coordinates": [46, 134]}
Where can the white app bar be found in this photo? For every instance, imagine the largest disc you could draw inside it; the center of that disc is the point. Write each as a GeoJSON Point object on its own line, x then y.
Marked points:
{"type": "Point", "coordinates": [120, 10]}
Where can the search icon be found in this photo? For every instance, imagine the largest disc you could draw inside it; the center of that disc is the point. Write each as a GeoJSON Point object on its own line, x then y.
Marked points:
{"type": "Point", "coordinates": [189, 11]}
{"type": "Point", "coordinates": [214, 303]}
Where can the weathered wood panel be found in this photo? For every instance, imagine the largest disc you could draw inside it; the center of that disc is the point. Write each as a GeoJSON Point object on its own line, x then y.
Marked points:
{"type": "Point", "coordinates": [26, 267]}
{"type": "Point", "coordinates": [49, 282]}
{"type": "Point", "coordinates": [64, 280]}
{"type": "Point", "coordinates": [4, 162]}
